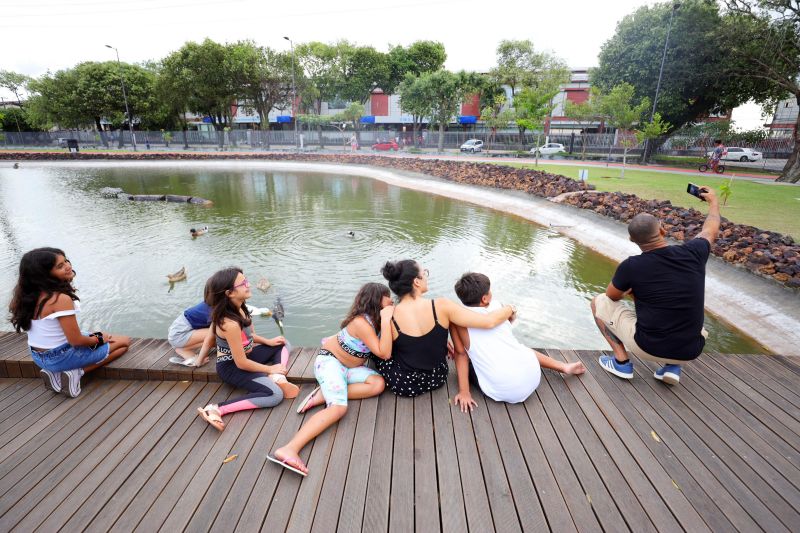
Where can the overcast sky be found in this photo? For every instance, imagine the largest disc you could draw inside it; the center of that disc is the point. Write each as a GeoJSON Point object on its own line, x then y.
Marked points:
{"type": "Point", "coordinates": [41, 35]}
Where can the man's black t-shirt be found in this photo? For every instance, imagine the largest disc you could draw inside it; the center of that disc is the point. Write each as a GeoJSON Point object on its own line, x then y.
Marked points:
{"type": "Point", "coordinates": [668, 289]}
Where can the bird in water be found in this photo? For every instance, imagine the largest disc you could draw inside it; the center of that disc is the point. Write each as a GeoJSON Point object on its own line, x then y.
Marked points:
{"type": "Point", "coordinates": [198, 232]}
{"type": "Point", "coordinates": [180, 275]}
{"type": "Point", "coordinates": [263, 284]}
{"type": "Point", "coordinates": [351, 233]}
{"type": "Point", "coordinates": [16, 165]}
{"type": "Point", "coordinates": [278, 313]}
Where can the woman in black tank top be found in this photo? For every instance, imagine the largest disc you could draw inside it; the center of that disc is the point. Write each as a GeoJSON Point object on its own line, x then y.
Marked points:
{"type": "Point", "coordinates": [419, 352]}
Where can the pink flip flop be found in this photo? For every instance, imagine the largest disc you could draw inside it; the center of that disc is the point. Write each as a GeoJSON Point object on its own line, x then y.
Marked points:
{"type": "Point", "coordinates": [302, 407]}
{"type": "Point", "coordinates": [212, 418]}
{"type": "Point", "coordinates": [285, 464]}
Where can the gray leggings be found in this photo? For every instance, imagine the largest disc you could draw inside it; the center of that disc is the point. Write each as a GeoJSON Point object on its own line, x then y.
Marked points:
{"type": "Point", "coordinates": [264, 392]}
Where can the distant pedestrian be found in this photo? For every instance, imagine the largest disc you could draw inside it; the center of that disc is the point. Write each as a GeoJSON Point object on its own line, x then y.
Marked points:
{"type": "Point", "coordinates": [353, 143]}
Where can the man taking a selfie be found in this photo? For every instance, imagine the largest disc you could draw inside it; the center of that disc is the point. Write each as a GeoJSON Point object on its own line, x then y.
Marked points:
{"type": "Point", "coordinates": [667, 284]}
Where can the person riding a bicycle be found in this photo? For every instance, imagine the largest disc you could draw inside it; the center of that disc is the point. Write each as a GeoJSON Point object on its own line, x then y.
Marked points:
{"type": "Point", "coordinates": [717, 154]}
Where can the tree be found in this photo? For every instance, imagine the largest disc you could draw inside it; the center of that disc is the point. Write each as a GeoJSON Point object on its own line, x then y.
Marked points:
{"type": "Point", "coordinates": [16, 83]}
{"type": "Point", "coordinates": [584, 113]}
{"type": "Point", "coordinates": [446, 91]}
{"type": "Point", "coordinates": [618, 107]}
{"type": "Point", "coordinates": [653, 129]}
{"type": "Point", "coordinates": [321, 67]}
{"type": "Point", "coordinates": [765, 47]}
{"type": "Point", "coordinates": [695, 81]}
{"type": "Point", "coordinates": [415, 100]}
{"type": "Point", "coordinates": [420, 57]}
{"type": "Point", "coordinates": [91, 92]}
{"type": "Point", "coordinates": [494, 116]}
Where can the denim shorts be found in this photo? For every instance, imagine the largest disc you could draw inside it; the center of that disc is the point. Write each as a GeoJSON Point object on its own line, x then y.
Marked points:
{"type": "Point", "coordinates": [66, 357]}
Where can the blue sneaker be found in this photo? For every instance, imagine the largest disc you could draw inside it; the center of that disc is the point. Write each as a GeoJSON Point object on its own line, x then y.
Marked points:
{"type": "Point", "coordinates": [610, 365]}
{"type": "Point", "coordinates": [669, 374]}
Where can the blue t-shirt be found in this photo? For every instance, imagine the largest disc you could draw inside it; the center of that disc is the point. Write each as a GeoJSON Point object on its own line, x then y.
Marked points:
{"type": "Point", "coordinates": [199, 316]}
{"type": "Point", "coordinates": [668, 290]}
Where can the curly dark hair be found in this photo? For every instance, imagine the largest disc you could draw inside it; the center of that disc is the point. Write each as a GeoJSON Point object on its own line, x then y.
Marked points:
{"type": "Point", "coordinates": [401, 275]}
{"type": "Point", "coordinates": [34, 281]}
{"type": "Point", "coordinates": [368, 302]}
{"type": "Point", "coordinates": [216, 296]}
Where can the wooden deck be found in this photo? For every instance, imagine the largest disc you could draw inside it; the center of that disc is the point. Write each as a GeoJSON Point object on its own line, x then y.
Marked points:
{"type": "Point", "coordinates": [720, 452]}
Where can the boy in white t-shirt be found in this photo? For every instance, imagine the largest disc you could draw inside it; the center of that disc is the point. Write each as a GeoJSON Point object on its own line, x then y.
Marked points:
{"type": "Point", "coordinates": [504, 369]}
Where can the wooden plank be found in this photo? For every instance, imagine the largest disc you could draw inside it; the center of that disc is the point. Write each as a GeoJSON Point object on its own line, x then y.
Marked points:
{"type": "Point", "coordinates": [760, 436]}
{"type": "Point", "coordinates": [112, 497]}
{"type": "Point", "coordinates": [327, 511]}
{"type": "Point", "coordinates": [401, 501]}
{"type": "Point", "coordinates": [308, 497]}
{"type": "Point", "coordinates": [769, 464]}
{"type": "Point", "coordinates": [473, 485]}
{"type": "Point", "coordinates": [171, 469]}
{"type": "Point", "coordinates": [211, 503]}
{"type": "Point", "coordinates": [297, 357]}
{"type": "Point", "coordinates": [688, 471]}
{"type": "Point", "coordinates": [103, 465]}
{"type": "Point", "coordinates": [362, 457]}
{"type": "Point", "coordinates": [634, 461]}
{"type": "Point", "coordinates": [20, 402]}
{"type": "Point", "coordinates": [272, 475]}
{"type": "Point", "coordinates": [16, 448]}
{"type": "Point", "coordinates": [112, 370]}
{"type": "Point", "coordinates": [528, 508]}
{"type": "Point", "coordinates": [756, 403]}
{"type": "Point", "coordinates": [188, 500]}
{"type": "Point", "coordinates": [131, 368]}
{"type": "Point", "coordinates": [19, 501]}
{"type": "Point", "coordinates": [253, 468]}
{"type": "Point", "coordinates": [574, 495]}
{"type": "Point", "coordinates": [19, 461]}
{"type": "Point", "coordinates": [624, 498]}
{"type": "Point", "coordinates": [376, 505]}
{"type": "Point", "coordinates": [766, 381]}
{"type": "Point", "coordinates": [426, 493]}
{"type": "Point", "coordinates": [451, 499]}
{"type": "Point", "coordinates": [13, 388]}
{"type": "Point", "coordinates": [302, 371]}
{"type": "Point", "coordinates": [732, 472]}
{"type": "Point", "coordinates": [42, 407]}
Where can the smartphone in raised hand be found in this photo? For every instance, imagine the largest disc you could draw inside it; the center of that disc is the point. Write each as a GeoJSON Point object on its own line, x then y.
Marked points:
{"type": "Point", "coordinates": [694, 190]}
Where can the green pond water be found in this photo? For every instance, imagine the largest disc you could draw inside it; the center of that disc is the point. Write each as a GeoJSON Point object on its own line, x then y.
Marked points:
{"type": "Point", "coordinates": [291, 228]}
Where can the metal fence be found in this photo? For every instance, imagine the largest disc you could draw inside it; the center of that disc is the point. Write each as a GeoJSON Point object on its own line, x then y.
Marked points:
{"type": "Point", "coordinates": [507, 140]}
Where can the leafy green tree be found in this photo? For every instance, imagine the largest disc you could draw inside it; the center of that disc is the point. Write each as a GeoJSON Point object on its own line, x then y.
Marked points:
{"type": "Point", "coordinates": [621, 112]}
{"type": "Point", "coordinates": [321, 66]}
{"type": "Point", "coordinates": [494, 116]}
{"type": "Point", "coordinates": [420, 57]}
{"type": "Point", "coordinates": [536, 100]}
{"type": "Point", "coordinates": [415, 100]}
{"type": "Point", "coordinates": [652, 130]}
{"type": "Point", "coordinates": [764, 40]}
{"type": "Point", "coordinates": [446, 91]}
{"type": "Point", "coordinates": [16, 119]}
{"type": "Point", "coordinates": [694, 83]}
{"type": "Point", "coordinates": [16, 83]}
{"type": "Point", "coordinates": [584, 113]}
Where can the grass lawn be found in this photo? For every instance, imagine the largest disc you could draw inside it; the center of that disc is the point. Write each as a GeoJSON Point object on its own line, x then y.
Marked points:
{"type": "Point", "coordinates": [764, 205]}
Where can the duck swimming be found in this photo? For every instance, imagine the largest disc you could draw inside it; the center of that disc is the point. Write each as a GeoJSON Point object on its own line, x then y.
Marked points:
{"type": "Point", "coordinates": [180, 275]}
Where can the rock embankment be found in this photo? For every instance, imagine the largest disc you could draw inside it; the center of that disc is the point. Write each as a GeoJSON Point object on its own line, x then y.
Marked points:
{"type": "Point", "coordinates": [764, 253]}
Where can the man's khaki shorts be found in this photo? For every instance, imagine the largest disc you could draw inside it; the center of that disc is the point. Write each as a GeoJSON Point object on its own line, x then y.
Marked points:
{"type": "Point", "coordinates": [621, 321]}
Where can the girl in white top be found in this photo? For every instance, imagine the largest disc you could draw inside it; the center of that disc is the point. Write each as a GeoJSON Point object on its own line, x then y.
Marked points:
{"type": "Point", "coordinates": [506, 370]}
{"type": "Point", "coordinates": [44, 304]}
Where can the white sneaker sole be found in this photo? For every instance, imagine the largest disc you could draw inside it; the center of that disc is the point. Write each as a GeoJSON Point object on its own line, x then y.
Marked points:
{"type": "Point", "coordinates": [71, 382]}
{"type": "Point", "coordinates": [668, 377]}
{"type": "Point", "coordinates": [49, 382]}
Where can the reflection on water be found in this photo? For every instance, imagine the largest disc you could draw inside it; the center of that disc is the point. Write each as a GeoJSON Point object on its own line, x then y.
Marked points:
{"type": "Point", "coordinates": [294, 230]}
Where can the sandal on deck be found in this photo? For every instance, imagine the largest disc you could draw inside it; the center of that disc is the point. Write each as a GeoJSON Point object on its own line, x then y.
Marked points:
{"type": "Point", "coordinates": [302, 408]}
{"type": "Point", "coordinates": [289, 465]}
{"type": "Point", "coordinates": [178, 360]}
{"type": "Point", "coordinates": [212, 418]}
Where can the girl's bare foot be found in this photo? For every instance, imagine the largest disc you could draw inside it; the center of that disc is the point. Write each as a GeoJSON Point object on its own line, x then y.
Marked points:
{"type": "Point", "coordinates": [317, 399]}
{"type": "Point", "coordinates": [574, 369]}
{"type": "Point", "coordinates": [291, 458]}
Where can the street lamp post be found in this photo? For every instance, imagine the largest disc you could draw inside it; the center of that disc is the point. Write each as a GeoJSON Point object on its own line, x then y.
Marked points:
{"type": "Point", "coordinates": [125, 97]}
{"type": "Point", "coordinates": [294, 93]}
{"type": "Point", "coordinates": [675, 7]}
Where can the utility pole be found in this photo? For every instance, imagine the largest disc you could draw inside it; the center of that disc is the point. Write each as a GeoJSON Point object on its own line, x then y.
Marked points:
{"type": "Point", "coordinates": [294, 93]}
{"type": "Point", "coordinates": [125, 97]}
{"type": "Point", "coordinates": [675, 7]}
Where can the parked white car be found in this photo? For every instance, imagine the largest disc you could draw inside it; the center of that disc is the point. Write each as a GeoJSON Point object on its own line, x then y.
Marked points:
{"type": "Point", "coordinates": [740, 154]}
{"type": "Point", "coordinates": [472, 146]}
{"type": "Point", "coordinates": [548, 149]}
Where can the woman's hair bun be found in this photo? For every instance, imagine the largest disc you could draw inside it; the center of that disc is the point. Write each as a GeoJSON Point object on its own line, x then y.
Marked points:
{"type": "Point", "coordinates": [390, 271]}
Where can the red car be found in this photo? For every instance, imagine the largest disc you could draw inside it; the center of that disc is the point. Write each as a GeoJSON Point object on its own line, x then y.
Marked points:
{"type": "Point", "coordinates": [386, 146]}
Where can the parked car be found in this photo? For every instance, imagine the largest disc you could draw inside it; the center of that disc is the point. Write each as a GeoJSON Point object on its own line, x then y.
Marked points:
{"type": "Point", "coordinates": [386, 146]}
{"type": "Point", "coordinates": [548, 149]}
{"type": "Point", "coordinates": [734, 153]}
{"type": "Point", "coordinates": [472, 146]}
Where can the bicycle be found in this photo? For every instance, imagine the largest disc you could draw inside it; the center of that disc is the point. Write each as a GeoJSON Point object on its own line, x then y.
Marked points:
{"type": "Point", "coordinates": [719, 169]}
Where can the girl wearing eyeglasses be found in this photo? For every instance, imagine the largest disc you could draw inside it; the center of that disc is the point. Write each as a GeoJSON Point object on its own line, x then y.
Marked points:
{"type": "Point", "coordinates": [45, 305]}
{"type": "Point", "coordinates": [245, 360]}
